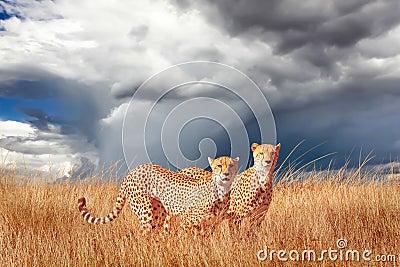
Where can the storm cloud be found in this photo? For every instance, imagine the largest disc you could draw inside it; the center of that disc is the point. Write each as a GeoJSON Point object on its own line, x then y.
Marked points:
{"type": "Point", "coordinates": [335, 69]}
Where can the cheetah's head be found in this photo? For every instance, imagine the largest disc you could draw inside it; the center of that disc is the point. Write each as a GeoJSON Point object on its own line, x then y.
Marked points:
{"type": "Point", "coordinates": [224, 171]}
{"type": "Point", "coordinates": [265, 156]}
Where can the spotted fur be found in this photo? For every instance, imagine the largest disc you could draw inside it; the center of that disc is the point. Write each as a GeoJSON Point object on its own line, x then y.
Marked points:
{"type": "Point", "coordinates": [155, 193]}
{"type": "Point", "coordinates": [251, 192]}
{"type": "Point", "coordinates": [220, 206]}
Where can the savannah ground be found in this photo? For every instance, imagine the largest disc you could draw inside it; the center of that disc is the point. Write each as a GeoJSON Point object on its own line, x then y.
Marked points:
{"type": "Point", "coordinates": [40, 226]}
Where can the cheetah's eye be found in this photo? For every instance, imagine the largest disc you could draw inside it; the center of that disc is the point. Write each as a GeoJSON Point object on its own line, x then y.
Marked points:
{"type": "Point", "coordinates": [261, 153]}
{"type": "Point", "coordinates": [219, 166]}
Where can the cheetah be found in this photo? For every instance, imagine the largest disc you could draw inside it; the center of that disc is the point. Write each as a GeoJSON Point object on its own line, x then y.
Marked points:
{"type": "Point", "coordinates": [218, 208]}
{"type": "Point", "coordinates": [150, 188]}
{"type": "Point", "coordinates": [159, 211]}
{"type": "Point", "coordinates": [251, 192]}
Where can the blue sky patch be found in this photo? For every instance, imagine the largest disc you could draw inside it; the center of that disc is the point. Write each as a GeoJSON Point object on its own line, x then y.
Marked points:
{"type": "Point", "coordinates": [4, 15]}
{"type": "Point", "coordinates": [14, 108]}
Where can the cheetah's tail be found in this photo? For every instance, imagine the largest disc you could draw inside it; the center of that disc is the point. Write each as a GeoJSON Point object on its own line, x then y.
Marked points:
{"type": "Point", "coordinates": [119, 204]}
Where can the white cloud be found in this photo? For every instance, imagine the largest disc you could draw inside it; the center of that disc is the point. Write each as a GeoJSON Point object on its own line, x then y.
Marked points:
{"type": "Point", "coordinates": [51, 166]}
{"type": "Point", "coordinates": [47, 152]}
{"type": "Point", "coordinates": [15, 129]}
{"type": "Point", "coordinates": [95, 41]}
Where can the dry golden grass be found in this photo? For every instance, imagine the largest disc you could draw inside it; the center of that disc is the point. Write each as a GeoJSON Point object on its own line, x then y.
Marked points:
{"type": "Point", "coordinates": [40, 226]}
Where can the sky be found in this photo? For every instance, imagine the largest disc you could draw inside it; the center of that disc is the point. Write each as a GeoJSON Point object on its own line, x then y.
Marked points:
{"type": "Point", "coordinates": [176, 81]}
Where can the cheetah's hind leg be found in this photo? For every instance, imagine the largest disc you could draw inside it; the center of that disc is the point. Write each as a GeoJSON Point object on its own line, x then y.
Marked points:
{"type": "Point", "coordinates": [160, 217]}
{"type": "Point", "coordinates": [141, 206]}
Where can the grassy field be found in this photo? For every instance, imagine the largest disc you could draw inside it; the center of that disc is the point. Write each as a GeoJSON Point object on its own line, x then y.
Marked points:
{"type": "Point", "coordinates": [40, 226]}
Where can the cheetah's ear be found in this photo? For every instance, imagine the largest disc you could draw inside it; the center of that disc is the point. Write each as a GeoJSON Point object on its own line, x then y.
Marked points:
{"type": "Point", "coordinates": [210, 160]}
{"type": "Point", "coordinates": [278, 147]}
{"type": "Point", "coordinates": [254, 146]}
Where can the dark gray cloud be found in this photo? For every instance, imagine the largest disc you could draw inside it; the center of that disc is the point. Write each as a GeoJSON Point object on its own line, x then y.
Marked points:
{"type": "Point", "coordinates": [41, 119]}
{"type": "Point", "coordinates": [331, 23]}
{"type": "Point", "coordinates": [315, 34]}
{"type": "Point", "coordinates": [353, 117]}
{"type": "Point", "coordinates": [328, 94]}
{"type": "Point", "coordinates": [27, 82]}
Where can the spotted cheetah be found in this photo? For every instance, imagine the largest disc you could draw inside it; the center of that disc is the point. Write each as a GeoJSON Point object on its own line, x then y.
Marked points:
{"type": "Point", "coordinates": [251, 192]}
{"type": "Point", "coordinates": [150, 188]}
{"type": "Point", "coordinates": [220, 206]}
{"type": "Point", "coordinates": [159, 211]}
